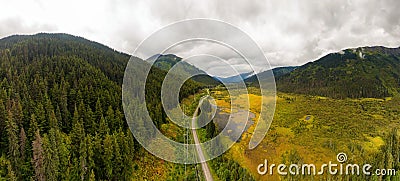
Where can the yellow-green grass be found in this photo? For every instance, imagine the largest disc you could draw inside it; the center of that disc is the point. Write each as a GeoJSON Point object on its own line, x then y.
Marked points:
{"type": "Point", "coordinates": [354, 126]}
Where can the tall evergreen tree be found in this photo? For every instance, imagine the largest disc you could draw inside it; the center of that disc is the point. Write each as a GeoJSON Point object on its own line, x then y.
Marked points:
{"type": "Point", "coordinates": [22, 142]}
{"type": "Point", "coordinates": [77, 135]}
{"type": "Point", "coordinates": [33, 127]}
{"type": "Point", "coordinates": [98, 157]}
{"type": "Point", "coordinates": [3, 117]}
{"type": "Point", "coordinates": [110, 118]}
{"type": "Point", "coordinates": [64, 148]}
{"type": "Point", "coordinates": [51, 160]}
{"type": "Point", "coordinates": [90, 157]}
{"type": "Point", "coordinates": [108, 156]}
{"type": "Point", "coordinates": [41, 117]}
{"type": "Point", "coordinates": [83, 162]}
{"type": "Point", "coordinates": [89, 120]}
{"type": "Point", "coordinates": [13, 142]}
{"type": "Point", "coordinates": [53, 122]}
{"type": "Point", "coordinates": [38, 157]}
{"type": "Point", "coordinates": [103, 127]}
{"type": "Point", "coordinates": [98, 110]}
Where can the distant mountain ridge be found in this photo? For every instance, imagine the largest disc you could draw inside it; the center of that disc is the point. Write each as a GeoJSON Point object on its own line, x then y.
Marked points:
{"type": "Point", "coordinates": [235, 78]}
{"type": "Point", "coordinates": [350, 73]}
{"type": "Point", "coordinates": [277, 72]}
{"type": "Point", "coordinates": [167, 61]}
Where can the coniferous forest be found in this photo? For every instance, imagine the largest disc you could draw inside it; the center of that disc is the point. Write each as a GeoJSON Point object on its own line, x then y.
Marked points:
{"type": "Point", "coordinates": [352, 73]}
{"type": "Point", "coordinates": [61, 116]}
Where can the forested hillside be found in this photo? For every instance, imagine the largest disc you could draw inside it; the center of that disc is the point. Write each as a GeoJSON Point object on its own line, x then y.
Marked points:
{"type": "Point", "coordinates": [277, 72]}
{"type": "Point", "coordinates": [166, 62]}
{"type": "Point", "coordinates": [351, 73]}
{"type": "Point", "coordinates": [61, 116]}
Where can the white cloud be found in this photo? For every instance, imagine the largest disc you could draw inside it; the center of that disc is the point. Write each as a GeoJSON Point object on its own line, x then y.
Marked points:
{"type": "Point", "coordinates": [289, 32]}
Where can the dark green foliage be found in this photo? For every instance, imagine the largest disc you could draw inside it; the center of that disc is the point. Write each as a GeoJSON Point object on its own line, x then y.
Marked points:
{"type": "Point", "coordinates": [227, 169]}
{"type": "Point", "coordinates": [28, 48]}
{"type": "Point", "coordinates": [61, 115]}
{"type": "Point", "coordinates": [65, 92]}
{"type": "Point", "coordinates": [388, 157]}
{"type": "Point", "coordinates": [352, 73]}
{"type": "Point", "coordinates": [13, 146]}
{"type": "Point", "coordinates": [38, 157]}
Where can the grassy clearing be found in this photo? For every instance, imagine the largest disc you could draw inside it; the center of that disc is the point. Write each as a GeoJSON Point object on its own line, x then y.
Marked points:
{"type": "Point", "coordinates": [317, 129]}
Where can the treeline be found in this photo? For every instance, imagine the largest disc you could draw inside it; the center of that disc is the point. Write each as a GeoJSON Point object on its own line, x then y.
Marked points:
{"type": "Point", "coordinates": [228, 169]}
{"type": "Point", "coordinates": [388, 157]}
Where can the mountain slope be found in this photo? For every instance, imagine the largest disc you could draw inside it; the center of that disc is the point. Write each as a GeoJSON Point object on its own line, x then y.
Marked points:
{"type": "Point", "coordinates": [61, 116]}
{"type": "Point", "coordinates": [27, 47]}
{"type": "Point", "coordinates": [279, 71]}
{"type": "Point", "coordinates": [58, 93]}
{"type": "Point", "coordinates": [235, 78]}
{"type": "Point", "coordinates": [166, 62]}
{"type": "Point", "coordinates": [351, 73]}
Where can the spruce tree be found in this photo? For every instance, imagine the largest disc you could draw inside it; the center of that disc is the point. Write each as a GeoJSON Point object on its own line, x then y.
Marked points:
{"type": "Point", "coordinates": [13, 143]}
{"type": "Point", "coordinates": [22, 142]}
{"type": "Point", "coordinates": [108, 156]}
{"type": "Point", "coordinates": [38, 157]}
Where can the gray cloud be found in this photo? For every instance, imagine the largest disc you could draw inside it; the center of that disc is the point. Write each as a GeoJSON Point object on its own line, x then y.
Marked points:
{"type": "Point", "coordinates": [289, 32]}
{"type": "Point", "coordinates": [17, 25]}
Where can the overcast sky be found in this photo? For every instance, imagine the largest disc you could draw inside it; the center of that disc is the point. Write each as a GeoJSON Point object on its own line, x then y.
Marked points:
{"type": "Point", "coordinates": [288, 32]}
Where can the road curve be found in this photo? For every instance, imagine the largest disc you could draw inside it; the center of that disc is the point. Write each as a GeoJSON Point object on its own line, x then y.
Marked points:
{"type": "Point", "coordinates": [204, 165]}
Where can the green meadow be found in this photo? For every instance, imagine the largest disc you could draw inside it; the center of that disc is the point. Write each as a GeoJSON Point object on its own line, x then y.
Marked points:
{"type": "Point", "coordinates": [314, 129]}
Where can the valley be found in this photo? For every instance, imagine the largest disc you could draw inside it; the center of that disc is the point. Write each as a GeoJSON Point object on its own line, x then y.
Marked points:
{"type": "Point", "coordinates": [61, 116]}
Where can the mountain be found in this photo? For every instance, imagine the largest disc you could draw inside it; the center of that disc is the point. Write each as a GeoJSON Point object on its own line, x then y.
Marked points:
{"type": "Point", "coordinates": [61, 114]}
{"type": "Point", "coordinates": [109, 61]}
{"type": "Point", "coordinates": [279, 71]}
{"type": "Point", "coordinates": [351, 73]}
{"type": "Point", "coordinates": [235, 78]}
{"type": "Point", "coordinates": [166, 62]}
